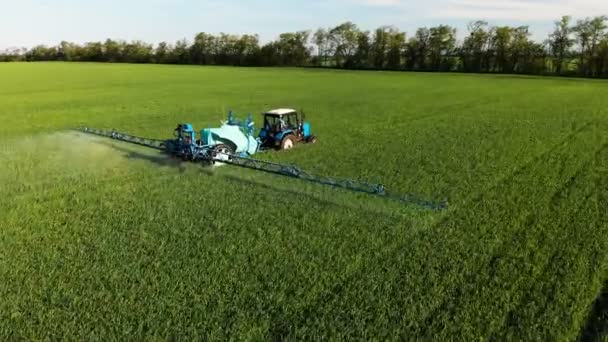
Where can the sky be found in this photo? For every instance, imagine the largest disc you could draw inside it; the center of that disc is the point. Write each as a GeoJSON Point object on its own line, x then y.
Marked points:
{"type": "Point", "coordinates": [25, 23]}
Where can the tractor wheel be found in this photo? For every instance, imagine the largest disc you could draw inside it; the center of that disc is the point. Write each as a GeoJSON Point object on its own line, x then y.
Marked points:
{"type": "Point", "coordinates": [222, 152]}
{"type": "Point", "coordinates": [288, 142]}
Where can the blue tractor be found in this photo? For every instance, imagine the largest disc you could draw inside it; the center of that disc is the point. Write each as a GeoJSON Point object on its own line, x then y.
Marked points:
{"type": "Point", "coordinates": [284, 128]}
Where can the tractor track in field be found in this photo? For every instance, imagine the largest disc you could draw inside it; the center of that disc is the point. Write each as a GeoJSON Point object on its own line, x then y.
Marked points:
{"type": "Point", "coordinates": [315, 306]}
{"type": "Point", "coordinates": [334, 291]}
{"type": "Point", "coordinates": [505, 179]}
{"type": "Point", "coordinates": [558, 195]}
{"type": "Point", "coordinates": [511, 319]}
{"type": "Point", "coordinates": [478, 198]}
{"type": "Point", "coordinates": [526, 165]}
{"type": "Point", "coordinates": [596, 325]}
{"type": "Point", "coordinates": [452, 304]}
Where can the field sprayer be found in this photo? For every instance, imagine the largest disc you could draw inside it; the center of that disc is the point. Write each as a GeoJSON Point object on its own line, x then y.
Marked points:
{"type": "Point", "coordinates": [234, 143]}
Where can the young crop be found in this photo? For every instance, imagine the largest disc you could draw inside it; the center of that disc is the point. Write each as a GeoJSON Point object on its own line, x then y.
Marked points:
{"type": "Point", "coordinates": [105, 240]}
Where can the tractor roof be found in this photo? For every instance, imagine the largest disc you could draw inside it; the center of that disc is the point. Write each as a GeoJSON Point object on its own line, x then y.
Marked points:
{"type": "Point", "coordinates": [280, 111]}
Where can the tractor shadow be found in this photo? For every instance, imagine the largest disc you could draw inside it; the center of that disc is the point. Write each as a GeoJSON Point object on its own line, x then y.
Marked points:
{"type": "Point", "coordinates": [596, 327]}
{"type": "Point", "coordinates": [164, 160]}
{"type": "Point", "coordinates": [317, 199]}
{"type": "Point", "coordinates": [155, 157]}
{"type": "Point", "coordinates": [161, 159]}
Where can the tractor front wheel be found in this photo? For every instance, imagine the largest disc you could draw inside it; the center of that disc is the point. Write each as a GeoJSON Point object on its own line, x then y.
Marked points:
{"type": "Point", "coordinates": [288, 142]}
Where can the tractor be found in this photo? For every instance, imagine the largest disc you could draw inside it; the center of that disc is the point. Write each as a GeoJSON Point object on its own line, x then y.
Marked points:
{"type": "Point", "coordinates": [284, 128]}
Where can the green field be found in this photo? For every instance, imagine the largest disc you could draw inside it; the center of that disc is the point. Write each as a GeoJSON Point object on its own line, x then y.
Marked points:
{"type": "Point", "coordinates": [99, 239]}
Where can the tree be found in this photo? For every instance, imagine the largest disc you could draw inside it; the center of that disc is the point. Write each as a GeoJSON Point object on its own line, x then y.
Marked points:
{"type": "Point", "coordinates": [417, 50]}
{"type": "Point", "coordinates": [597, 30]}
{"type": "Point", "coordinates": [486, 48]}
{"type": "Point", "coordinates": [293, 48]}
{"type": "Point", "coordinates": [138, 52]}
{"type": "Point", "coordinates": [113, 50]}
{"type": "Point", "coordinates": [560, 42]}
{"type": "Point", "coordinates": [361, 59]}
{"type": "Point", "coordinates": [343, 41]}
{"type": "Point", "coordinates": [519, 49]}
{"type": "Point", "coordinates": [201, 51]}
{"type": "Point", "coordinates": [380, 46]}
{"type": "Point", "coordinates": [225, 49]}
{"type": "Point", "coordinates": [525, 56]}
{"type": "Point", "coordinates": [162, 53]}
{"type": "Point", "coordinates": [41, 53]}
{"type": "Point", "coordinates": [13, 55]}
{"type": "Point", "coordinates": [441, 45]}
{"type": "Point", "coordinates": [247, 48]}
{"type": "Point", "coordinates": [396, 48]}
{"type": "Point", "coordinates": [474, 50]}
{"type": "Point", "coordinates": [589, 34]}
{"type": "Point", "coordinates": [500, 45]}
{"type": "Point", "coordinates": [534, 59]}
{"type": "Point", "coordinates": [321, 39]}
{"type": "Point", "coordinates": [388, 47]}
{"type": "Point", "coordinates": [270, 54]}
{"type": "Point", "coordinates": [93, 52]}
{"type": "Point", "coordinates": [66, 51]}
{"type": "Point", "coordinates": [602, 55]}
{"type": "Point", "coordinates": [583, 36]}
{"type": "Point", "coordinates": [180, 53]}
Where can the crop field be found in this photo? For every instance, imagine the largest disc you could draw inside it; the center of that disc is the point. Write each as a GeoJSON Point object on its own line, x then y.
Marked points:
{"type": "Point", "coordinates": [103, 240]}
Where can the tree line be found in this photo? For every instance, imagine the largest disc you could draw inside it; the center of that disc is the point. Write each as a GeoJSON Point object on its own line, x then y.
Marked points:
{"type": "Point", "coordinates": [577, 48]}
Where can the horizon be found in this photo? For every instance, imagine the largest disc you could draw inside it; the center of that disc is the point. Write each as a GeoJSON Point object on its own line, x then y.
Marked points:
{"type": "Point", "coordinates": [156, 21]}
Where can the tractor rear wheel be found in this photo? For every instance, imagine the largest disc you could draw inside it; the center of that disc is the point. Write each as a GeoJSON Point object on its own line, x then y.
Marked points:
{"type": "Point", "coordinates": [222, 152]}
{"type": "Point", "coordinates": [288, 142]}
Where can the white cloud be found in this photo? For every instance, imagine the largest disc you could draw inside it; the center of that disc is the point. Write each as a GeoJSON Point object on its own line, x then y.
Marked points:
{"type": "Point", "coordinates": [508, 10]}
{"type": "Point", "coordinates": [519, 10]}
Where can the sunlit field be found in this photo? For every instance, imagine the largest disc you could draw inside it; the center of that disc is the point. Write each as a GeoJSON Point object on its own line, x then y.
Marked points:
{"type": "Point", "coordinates": [100, 239]}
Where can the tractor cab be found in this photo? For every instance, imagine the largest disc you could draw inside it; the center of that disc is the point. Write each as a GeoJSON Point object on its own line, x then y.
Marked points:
{"type": "Point", "coordinates": [277, 123]}
{"type": "Point", "coordinates": [283, 128]}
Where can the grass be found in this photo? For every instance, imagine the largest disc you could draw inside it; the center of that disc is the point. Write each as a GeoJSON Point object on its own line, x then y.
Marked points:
{"type": "Point", "coordinates": [101, 240]}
